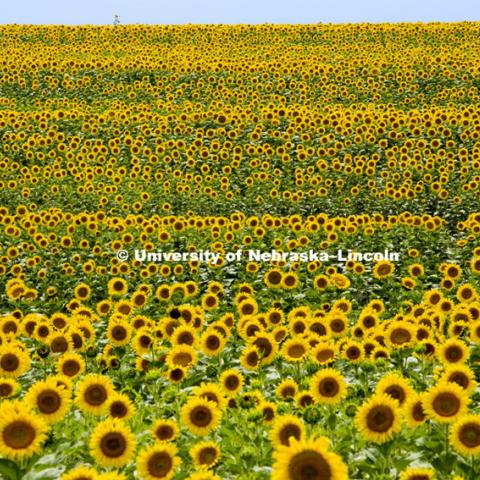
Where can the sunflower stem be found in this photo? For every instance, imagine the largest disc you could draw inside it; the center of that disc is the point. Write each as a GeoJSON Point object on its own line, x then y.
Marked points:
{"type": "Point", "coordinates": [445, 432]}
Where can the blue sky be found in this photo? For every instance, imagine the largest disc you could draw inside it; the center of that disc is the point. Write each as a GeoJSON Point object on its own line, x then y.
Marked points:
{"type": "Point", "coordinates": [238, 11]}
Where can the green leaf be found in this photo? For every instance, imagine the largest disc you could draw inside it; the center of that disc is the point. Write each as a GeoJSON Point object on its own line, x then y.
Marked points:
{"type": "Point", "coordinates": [9, 470]}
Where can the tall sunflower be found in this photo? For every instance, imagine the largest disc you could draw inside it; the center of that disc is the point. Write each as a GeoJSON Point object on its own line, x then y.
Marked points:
{"type": "Point", "coordinates": [328, 386]}
{"type": "Point", "coordinates": [379, 418]}
{"type": "Point", "coordinates": [308, 459]}
{"type": "Point", "coordinates": [112, 444]}
{"type": "Point", "coordinates": [158, 461]}
{"type": "Point", "coordinates": [465, 435]}
{"type": "Point", "coordinates": [445, 402]}
{"type": "Point", "coordinates": [21, 432]}
{"type": "Point", "coordinates": [201, 416]}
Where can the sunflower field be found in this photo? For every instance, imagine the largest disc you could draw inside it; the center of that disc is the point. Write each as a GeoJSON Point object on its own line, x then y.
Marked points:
{"type": "Point", "coordinates": [129, 152]}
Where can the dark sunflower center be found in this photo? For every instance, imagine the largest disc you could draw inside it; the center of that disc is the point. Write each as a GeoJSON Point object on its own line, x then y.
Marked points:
{"type": "Point", "coordinates": [164, 432]}
{"type": "Point", "coordinates": [207, 456]}
{"type": "Point", "coordinates": [296, 351]}
{"type": "Point", "coordinates": [469, 435]}
{"type": "Point", "coordinates": [418, 413]}
{"type": "Point", "coordinates": [145, 341]}
{"type": "Point", "coordinates": [48, 401]}
{"type": "Point", "coordinates": [309, 465]}
{"type": "Point", "coordinates": [70, 368]}
{"type": "Point", "coordinates": [201, 416]}
{"type": "Point", "coordinates": [113, 444]}
{"type": "Point", "coordinates": [446, 404]}
{"type": "Point", "coordinates": [182, 358]}
{"type": "Point", "coordinates": [252, 359]}
{"type": "Point", "coordinates": [324, 355]}
{"type": "Point", "coordinates": [186, 338]}
{"type": "Point", "coordinates": [353, 353]}
{"type": "Point", "coordinates": [400, 335]}
{"type": "Point", "coordinates": [274, 278]}
{"type": "Point", "coordinates": [459, 378]}
{"type": "Point", "coordinates": [159, 464]}
{"type": "Point", "coordinates": [328, 387]}
{"type": "Point", "coordinates": [59, 345]}
{"type": "Point", "coordinates": [5, 390]}
{"type": "Point", "coordinates": [9, 362]}
{"type": "Point", "coordinates": [396, 392]}
{"type": "Point", "coordinates": [118, 409]}
{"type": "Point", "coordinates": [380, 419]}
{"type": "Point", "coordinates": [337, 326]}
{"type": "Point", "coordinates": [289, 431]}
{"type": "Point", "coordinates": [453, 353]}
{"type": "Point", "coordinates": [232, 382]}
{"type": "Point", "coordinates": [263, 346]}
{"type": "Point", "coordinates": [213, 342]}
{"type": "Point", "coordinates": [119, 332]}
{"type": "Point", "coordinates": [95, 395]}
{"type": "Point", "coordinates": [18, 435]}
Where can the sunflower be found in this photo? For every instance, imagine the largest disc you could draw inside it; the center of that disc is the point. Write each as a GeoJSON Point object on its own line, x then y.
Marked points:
{"type": "Point", "coordinates": [212, 342]}
{"type": "Point", "coordinates": [119, 332]}
{"type": "Point", "coordinates": [117, 287]}
{"type": "Point", "coordinates": [143, 340]}
{"type": "Point", "coordinates": [413, 411]}
{"type": "Point", "coordinates": [400, 334]}
{"type": "Point", "coordinates": [250, 358]}
{"type": "Point", "coordinates": [82, 292]}
{"type": "Point", "coordinates": [273, 278]}
{"type": "Point", "coordinates": [80, 473]}
{"type": "Point", "coordinates": [93, 391]}
{"type": "Point", "coordinates": [176, 375]}
{"type": "Point", "coordinates": [308, 459]}
{"type": "Point", "coordinates": [70, 364]}
{"type": "Point", "coordinates": [352, 351]}
{"type": "Point", "coordinates": [445, 402]}
{"type": "Point", "coordinates": [287, 389]}
{"type": "Point", "coordinates": [205, 454]}
{"type": "Point", "coordinates": [165, 430]}
{"type": "Point", "coordinates": [383, 269]}
{"type": "Point", "coordinates": [295, 349]}
{"type": "Point", "coordinates": [465, 435]}
{"type": "Point", "coordinates": [268, 411]}
{"type": "Point", "coordinates": [453, 351]}
{"type": "Point", "coordinates": [201, 416]}
{"type": "Point", "coordinates": [328, 386]}
{"type": "Point", "coordinates": [461, 375]}
{"type": "Point", "coordinates": [112, 444]}
{"type": "Point", "coordinates": [417, 474]}
{"type": "Point", "coordinates": [158, 461]}
{"type": "Point", "coordinates": [266, 345]}
{"type": "Point", "coordinates": [378, 419]}
{"type": "Point", "coordinates": [321, 282]}
{"type": "Point", "coordinates": [211, 392]}
{"type": "Point", "coordinates": [51, 401]}
{"type": "Point", "coordinates": [120, 406]}
{"type": "Point", "coordinates": [467, 293]}
{"type": "Point", "coordinates": [323, 353]}
{"type": "Point", "coordinates": [21, 432]}
{"type": "Point", "coordinates": [285, 428]}
{"type": "Point", "coordinates": [395, 386]}
{"type": "Point", "coordinates": [14, 361]}
{"type": "Point", "coordinates": [289, 280]}
{"type": "Point", "coordinates": [231, 382]}
{"type": "Point", "coordinates": [184, 335]}
{"type": "Point", "coordinates": [184, 356]}
{"type": "Point", "coordinates": [9, 387]}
